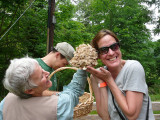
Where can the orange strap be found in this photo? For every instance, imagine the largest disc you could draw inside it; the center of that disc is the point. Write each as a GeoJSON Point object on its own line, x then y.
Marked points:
{"type": "Point", "coordinates": [104, 84]}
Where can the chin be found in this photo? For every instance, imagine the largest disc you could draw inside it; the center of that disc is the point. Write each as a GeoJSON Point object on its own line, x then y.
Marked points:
{"type": "Point", "coordinates": [112, 64]}
{"type": "Point", "coordinates": [49, 84]}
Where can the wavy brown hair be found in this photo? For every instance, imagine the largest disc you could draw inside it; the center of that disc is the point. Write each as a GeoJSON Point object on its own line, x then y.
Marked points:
{"type": "Point", "coordinates": [100, 35]}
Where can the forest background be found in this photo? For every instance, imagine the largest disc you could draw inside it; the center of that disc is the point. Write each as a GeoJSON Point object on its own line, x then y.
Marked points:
{"type": "Point", "coordinates": [77, 22]}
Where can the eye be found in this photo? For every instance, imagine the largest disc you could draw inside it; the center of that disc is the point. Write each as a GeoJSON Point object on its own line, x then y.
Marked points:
{"type": "Point", "coordinates": [114, 47]}
{"type": "Point", "coordinates": [103, 50]}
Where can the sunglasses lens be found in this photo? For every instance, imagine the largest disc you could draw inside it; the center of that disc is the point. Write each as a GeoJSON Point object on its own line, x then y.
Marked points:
{"type": "Point", "coordinates": [115, 46]}
{"type": "Point", "coordinates": [104, 50]}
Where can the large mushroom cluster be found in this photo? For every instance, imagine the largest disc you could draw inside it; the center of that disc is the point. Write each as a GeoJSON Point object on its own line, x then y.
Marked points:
{"type": "Point", "coordinates": [85, 55]}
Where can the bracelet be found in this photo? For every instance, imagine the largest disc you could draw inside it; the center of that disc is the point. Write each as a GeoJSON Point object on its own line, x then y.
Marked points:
{"type": "Point", "coordinates": [104, 84]}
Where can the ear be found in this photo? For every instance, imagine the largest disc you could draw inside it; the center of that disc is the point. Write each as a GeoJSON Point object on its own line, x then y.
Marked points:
{"type": "Point", "coordinates": [58, 54]}
{"type": "Point", "coordinates": [30, 91]}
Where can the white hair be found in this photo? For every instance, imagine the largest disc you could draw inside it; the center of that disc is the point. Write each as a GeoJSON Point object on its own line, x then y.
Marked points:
{"type": "Point", "coordinates": [17, 77]}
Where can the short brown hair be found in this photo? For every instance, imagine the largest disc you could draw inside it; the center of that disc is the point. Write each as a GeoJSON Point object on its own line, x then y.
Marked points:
{"type": "Point", "coordinates": [54, 50]}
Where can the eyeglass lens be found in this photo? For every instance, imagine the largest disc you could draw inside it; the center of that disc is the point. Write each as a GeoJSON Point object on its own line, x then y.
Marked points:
{"type": "Point", "coordinates": [114, 47]}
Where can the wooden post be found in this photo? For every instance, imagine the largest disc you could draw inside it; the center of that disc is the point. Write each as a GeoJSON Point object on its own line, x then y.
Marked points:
{"type": "Point", "coordinates": [51, 22]}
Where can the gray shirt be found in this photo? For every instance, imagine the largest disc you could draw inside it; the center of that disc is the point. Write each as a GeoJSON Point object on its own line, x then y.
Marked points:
{"type": "Point", "coordinates": [131, 78]}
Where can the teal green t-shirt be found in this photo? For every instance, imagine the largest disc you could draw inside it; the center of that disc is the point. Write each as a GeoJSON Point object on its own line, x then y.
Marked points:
{"type": "Point", "coordinates": [50, 70]}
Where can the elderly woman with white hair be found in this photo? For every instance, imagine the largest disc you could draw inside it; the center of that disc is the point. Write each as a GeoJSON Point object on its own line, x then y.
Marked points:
{"type": "Point", "coordinates": [27, 82]}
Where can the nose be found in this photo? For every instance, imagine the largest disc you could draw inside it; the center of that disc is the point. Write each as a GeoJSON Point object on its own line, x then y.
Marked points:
{"type": "Point", "coordinates": [46, 73]}
{"type": "Point", "coordinates": [110, 51]}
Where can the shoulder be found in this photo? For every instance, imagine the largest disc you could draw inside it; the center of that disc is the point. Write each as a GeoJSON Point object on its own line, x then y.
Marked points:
{"type": "Point", "coordinates": [133, 66]}
{"type": "Point", "coordinates": [38, 59]}
{"type": "Point", "coordinates": [130, 62]}
{"type": "Point", "coordinates": [11, 96]}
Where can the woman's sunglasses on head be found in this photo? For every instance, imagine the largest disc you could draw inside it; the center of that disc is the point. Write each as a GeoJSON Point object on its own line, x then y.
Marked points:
{"type": "Point", "coordinates": [113, 47]}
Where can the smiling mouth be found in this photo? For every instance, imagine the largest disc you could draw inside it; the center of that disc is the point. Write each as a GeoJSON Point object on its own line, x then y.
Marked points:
{"type": "Point", "coordinates": [113, 59]}
{"type": "Point", "coordinates": [48, 81]}
{"type": "Point", "coordinates": [48, 78]}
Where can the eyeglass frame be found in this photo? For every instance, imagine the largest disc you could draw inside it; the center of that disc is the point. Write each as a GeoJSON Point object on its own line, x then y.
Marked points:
{"type": "Point", "coordinates": [109, 47]}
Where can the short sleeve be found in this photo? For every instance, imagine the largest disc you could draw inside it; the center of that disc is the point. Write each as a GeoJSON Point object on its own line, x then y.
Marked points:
{"type": "Point", "coordinates": [135, 78]}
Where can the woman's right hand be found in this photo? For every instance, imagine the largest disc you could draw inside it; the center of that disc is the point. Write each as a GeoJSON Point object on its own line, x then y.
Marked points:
{"type": "Point", "coordinates": [102, 74]}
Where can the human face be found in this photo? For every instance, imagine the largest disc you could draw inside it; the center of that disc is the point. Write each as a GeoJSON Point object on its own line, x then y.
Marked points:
{"type": "Point", "coordinates": [40, 78]}
{"type": "Point", "coordinates": [112, 58]}
{"type": "Point", "coordinates": [60, 62]}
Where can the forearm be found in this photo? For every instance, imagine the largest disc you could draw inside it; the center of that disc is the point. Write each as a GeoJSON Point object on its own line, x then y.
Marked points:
{"type": "Point", "coordinates": [101, 97]}
{"type": "Point", "coordinates": [78, 83]}
{"type": "Point", "coordinates": [69, 97]}
{"type": "Point", "coordinates": [102, 106]}
{"type": "Point", "coordinates": [129, 104]}
{"type": "Point", "coordinates": [118, 96]}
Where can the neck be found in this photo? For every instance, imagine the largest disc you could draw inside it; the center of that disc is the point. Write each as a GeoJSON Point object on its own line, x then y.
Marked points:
{"type": "Point", "coordinates": [115, 71]}
{"type": "Point", "coordinates": [37, 95]}
{"type": "Point", "coordinates": [48, 59]}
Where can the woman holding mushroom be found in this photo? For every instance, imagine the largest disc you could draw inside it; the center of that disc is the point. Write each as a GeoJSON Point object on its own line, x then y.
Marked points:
{"type": "Point", "coordinates": [120, 88]}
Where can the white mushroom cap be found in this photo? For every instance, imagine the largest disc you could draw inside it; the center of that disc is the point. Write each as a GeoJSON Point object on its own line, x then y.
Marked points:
{"type": "Point", "coordinates": [85, 55]}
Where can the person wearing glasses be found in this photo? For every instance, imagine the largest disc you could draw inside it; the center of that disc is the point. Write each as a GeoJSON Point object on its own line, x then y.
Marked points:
{"type": "Point", "coordinates": [27, 82]}
{"type": "Point", "coordinates": [119, 87]}
{"type": "Point", "coordinates": [60, 56]}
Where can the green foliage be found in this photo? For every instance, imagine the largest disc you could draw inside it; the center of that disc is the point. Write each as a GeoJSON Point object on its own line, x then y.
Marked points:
{"type": "Point", "coordinates": [157, 56]}
{"type": "Point", "coordinates": [77, 24]}
{"type": "Point", "coordinates": [64, 77]}
{"type": "Point", "coordinates": [9, 13]}
{"type": "Point", "coordinates": [156, 21]}
{"type": "Point", "coordinates": [72, 32]}
{"type": "Point", "coordinates": [65, 11]}
{"type": "Point", "coordinates": [93, 112]}
{"type": "Point", "coordinates": [127, 19]}
{"type": "Point", "coordinates": [155, 97]}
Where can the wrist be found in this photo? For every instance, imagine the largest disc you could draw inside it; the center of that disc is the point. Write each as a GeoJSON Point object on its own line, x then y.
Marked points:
{"type": "Point", "coordinates": [102, 84]}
